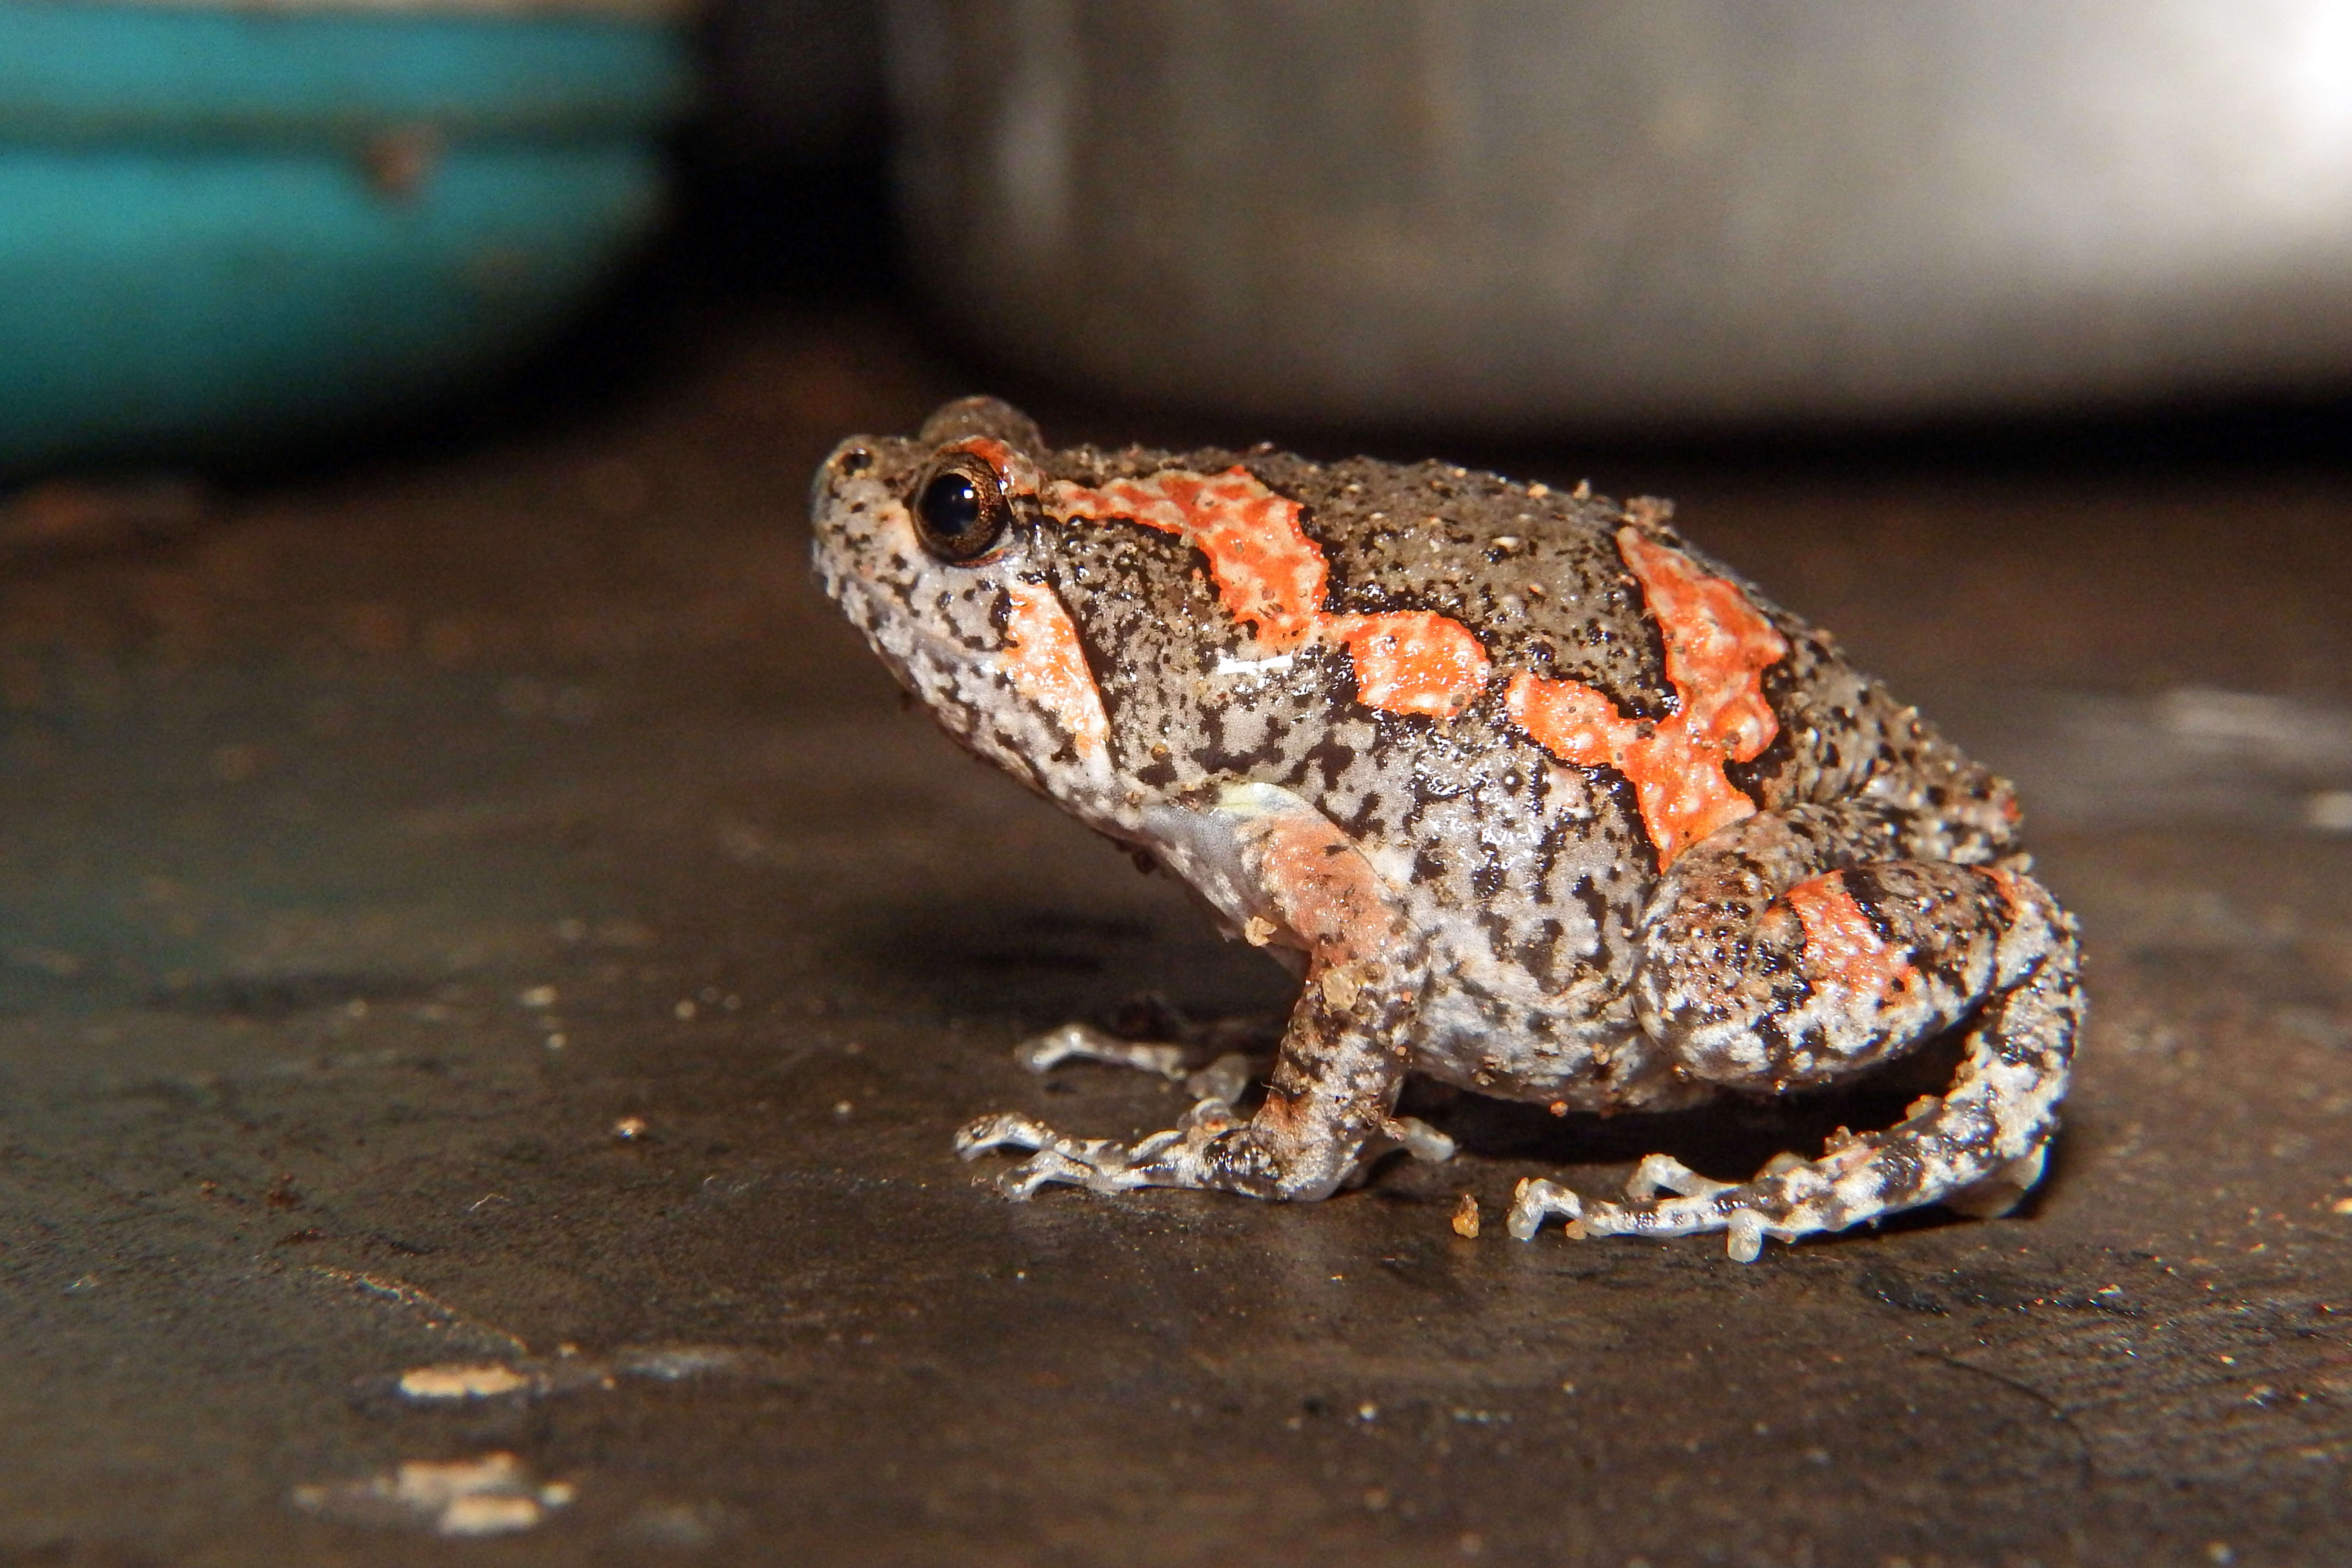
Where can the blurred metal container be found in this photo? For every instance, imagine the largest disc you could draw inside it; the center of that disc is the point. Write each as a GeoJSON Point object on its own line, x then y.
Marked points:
{"type": "Point", "coordinates": [1519, 216]}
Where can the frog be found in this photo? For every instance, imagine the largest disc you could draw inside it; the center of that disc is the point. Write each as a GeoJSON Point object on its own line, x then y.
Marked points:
{"type": "Point", "coordinates": [1538, 800]}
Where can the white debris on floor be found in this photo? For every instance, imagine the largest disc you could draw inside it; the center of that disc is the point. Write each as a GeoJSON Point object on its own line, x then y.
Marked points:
{"type": "Point", "coordinates": [492, 1494]}
{"type": "Point", "coordinates": [461, 1381]}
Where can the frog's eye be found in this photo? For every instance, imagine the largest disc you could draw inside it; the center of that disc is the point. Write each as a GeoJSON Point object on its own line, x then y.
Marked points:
{"type": "Point", "coordinates": [959, 509]}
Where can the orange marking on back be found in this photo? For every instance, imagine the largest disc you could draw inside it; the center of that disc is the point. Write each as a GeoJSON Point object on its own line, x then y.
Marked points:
{"type": "Point", "coordinates": [1717, 648]}
{"type": "Point", "coordinates": [1842, 948]}
{"type": "Point", "coordinates": [1270, 575]}
{"type": "Point", "coordinates": [1046, 665]}
{"type": "Point", "coordinates": [1269, 572]}
{"type": "Point", "coordinates": [1413, 662]}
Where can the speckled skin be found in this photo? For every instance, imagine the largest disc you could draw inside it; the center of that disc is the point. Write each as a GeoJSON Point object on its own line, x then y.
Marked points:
{"type": "Point", "coordinates": [1467, 904]}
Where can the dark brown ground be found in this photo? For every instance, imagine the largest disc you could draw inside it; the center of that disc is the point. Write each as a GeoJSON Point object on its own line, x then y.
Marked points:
{"type": "Point", "coordinates": [300, 810]}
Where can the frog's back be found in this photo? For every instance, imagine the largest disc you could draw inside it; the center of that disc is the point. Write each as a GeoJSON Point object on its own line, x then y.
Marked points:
{"type": "Point", "coordinates": [1538, 576]}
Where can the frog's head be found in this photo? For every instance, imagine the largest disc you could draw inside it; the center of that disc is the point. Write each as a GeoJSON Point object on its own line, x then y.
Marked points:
{"type": "Point", "coordinates": [934, 548]}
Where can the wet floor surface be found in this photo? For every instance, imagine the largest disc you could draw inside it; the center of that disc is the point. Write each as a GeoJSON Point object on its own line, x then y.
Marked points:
{"type": "Point", "coordinates": [492, 972]}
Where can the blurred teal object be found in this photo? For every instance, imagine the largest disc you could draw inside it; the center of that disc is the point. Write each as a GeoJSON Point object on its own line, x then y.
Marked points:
{"type": "Point", "coordinates": [222, 226]}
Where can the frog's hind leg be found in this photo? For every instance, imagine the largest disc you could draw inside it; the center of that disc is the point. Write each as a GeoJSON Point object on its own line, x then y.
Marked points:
{"type": "Point", "coordinates": [1977, 1148]}
{"type": "Point", "coordinates": [1769, 966]}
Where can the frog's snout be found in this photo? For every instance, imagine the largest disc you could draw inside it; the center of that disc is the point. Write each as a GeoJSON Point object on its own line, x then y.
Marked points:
{"type": "Point", "coordinates": [846, 461]}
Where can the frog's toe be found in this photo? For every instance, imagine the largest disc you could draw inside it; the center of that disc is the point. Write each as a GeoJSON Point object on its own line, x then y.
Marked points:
{"type": "Point", "coordinates": [1418, 1138]}
{"type": "Point", "coordinates": [2002, 1191]}
{"type": "Point", "coordinates": [1084, 1043]}
{"type": "Point", "coordinates": [1536, 1200]}
{"type": "Point", "coordinates": [1101, 1163]}
{"type": "Point", "coordinates": [1005, 1129]}
{"type": "Point", "coordinates": [1206, 1118]}
{"type": "Point", "coordinates": [1051, 1168]}
{"type": "Point", "coordinates": [1227, 1078]}
{"type": "Point", "coordinates": [1663, 1172]}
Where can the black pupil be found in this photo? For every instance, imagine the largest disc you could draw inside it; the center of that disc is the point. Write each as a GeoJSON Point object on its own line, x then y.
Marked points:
{"type": "Point", "coordinates": [950, 507]}
{"type": "Point", "coordinates": [961, 512]}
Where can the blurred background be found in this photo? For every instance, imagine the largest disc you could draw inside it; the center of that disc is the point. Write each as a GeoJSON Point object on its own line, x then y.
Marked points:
{"type": "Point", "coordinates": [229, 228]}
{"type": "Point", "coordinates": [489, 971]}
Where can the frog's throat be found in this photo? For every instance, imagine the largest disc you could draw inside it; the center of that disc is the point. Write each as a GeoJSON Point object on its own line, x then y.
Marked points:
{"type": "Point", "coordinates": [1041, 659]}
{"type": "Point", "coordinates": [1274, 578]}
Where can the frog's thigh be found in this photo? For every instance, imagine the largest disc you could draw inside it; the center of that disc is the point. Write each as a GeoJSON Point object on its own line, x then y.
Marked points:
{"type": "Point", "coordinates": [1269, 858]}
{"type": "Point", "coordinates": [1770, 982]}
{"type": "Point", "coordinates": [1768, 964]}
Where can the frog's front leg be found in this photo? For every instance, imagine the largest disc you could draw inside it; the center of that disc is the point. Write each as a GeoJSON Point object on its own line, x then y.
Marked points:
{"type": "Point", "coordinates": [1798, 949]}
{"type": "Point", "coordinates": [1335, 1082]}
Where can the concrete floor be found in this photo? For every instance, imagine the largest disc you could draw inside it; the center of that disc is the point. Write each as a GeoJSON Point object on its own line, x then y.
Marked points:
{"type": "Point", "coordinates": [372, 854]}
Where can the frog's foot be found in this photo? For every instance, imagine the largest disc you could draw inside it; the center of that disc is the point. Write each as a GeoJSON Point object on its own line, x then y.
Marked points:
{"type": "Point", "coordinates": [1211, 1148]}
{"type": "Point", "coordinates": [1537, 1201]}
{"type": "Point", "coordinates": [1101, 1164]}
{"type": "Point", "coordinates": [1227, 1078]}
{"type": "Point", "coordinates": [1859, 1179]}
{"type": "Point", "coordinates": [1699, 1204]}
